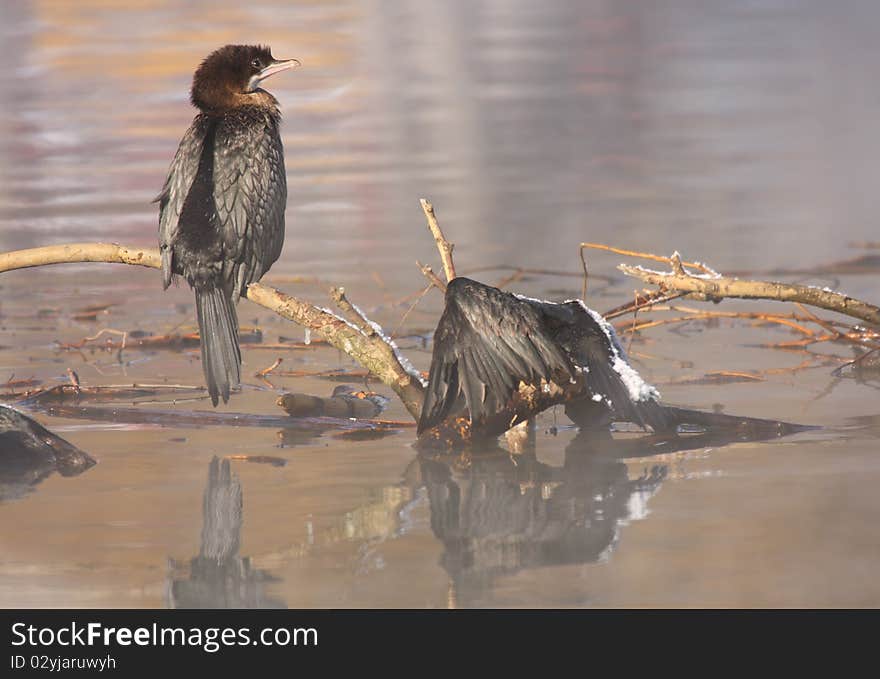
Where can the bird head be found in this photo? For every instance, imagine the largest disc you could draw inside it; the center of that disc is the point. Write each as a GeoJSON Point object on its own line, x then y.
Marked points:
{"type": "Point", "coordinates": [231, 76]}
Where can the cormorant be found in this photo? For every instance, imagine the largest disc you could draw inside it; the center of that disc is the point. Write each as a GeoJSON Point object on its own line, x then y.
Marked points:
{"type": "Point", "coordinates": [490, 343]}
{"type": "Point", "coordinates": [221, 211]}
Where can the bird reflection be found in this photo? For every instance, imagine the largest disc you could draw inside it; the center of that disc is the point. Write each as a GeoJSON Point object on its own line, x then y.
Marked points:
{"type": "Point", "coordinates": [497, 514]}
{"type": "Point", "coordinates": [504, 513]}
{"type": "Point", "coordinates": [218, 577]}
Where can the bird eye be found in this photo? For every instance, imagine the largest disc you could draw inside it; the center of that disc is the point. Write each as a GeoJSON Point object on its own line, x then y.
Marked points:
{"type": "Point", "coordinates": [256, 63]}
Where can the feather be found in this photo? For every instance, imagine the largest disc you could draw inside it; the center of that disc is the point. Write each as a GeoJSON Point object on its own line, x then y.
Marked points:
{"type": "Point", "coordinates": [488, 341]}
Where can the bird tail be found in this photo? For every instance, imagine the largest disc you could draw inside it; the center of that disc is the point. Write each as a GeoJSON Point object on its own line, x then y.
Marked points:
{"type": "Point", "coordinates": [218, 330]}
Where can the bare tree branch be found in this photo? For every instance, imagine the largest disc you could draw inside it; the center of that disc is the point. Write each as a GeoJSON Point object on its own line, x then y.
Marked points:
{"type": "Point", "coordinates": [428, 273]}
{"type": "Point", "coordinates": [79, 252]}
{"type": "Point", "coordinates": [443, 245]}
{"type": "Point", "coordinates": [371, 351]}
{"type": "Point", "coordinates": [715, 287]}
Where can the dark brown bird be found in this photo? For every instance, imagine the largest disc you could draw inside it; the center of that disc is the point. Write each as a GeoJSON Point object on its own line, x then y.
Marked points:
{"type": "Point", "coordinates": [221, 211]}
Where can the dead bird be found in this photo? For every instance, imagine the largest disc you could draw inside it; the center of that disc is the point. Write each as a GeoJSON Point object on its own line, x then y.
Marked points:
{"type": "Point", "coordinates": [497, 354]}
{"type": "Point", "coordinates": [29, 453]}
{"type": "Point", "coordinates": [221, 210]}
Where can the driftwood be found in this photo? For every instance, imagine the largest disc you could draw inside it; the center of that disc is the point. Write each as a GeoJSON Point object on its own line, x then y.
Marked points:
{"type": "Point", "coordinates": [76, 393]}
{"type": "Point", "coordinates": [208, 418]}
{"type": "Point", "coordinates": [344, 403]}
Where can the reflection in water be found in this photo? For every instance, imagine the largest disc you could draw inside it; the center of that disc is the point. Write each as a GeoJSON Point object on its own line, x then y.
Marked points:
{"type": "Point", "coordinates": [503, 514]}
{"type": "Point", "coordinates": [29, 453]}
{"type": "Point", "coordinates": [218, 577]}
{"type": "Point", "coordinates": [498, 514]}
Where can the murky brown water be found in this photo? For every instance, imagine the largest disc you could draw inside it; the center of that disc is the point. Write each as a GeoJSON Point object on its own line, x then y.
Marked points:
{"type": "Point", "coordinates": [743, 134]}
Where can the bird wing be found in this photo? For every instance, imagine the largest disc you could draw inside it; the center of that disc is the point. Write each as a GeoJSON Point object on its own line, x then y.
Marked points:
{"type": "Point", "coordinates": [486, 343]}
{"type": "Point", "coordinates": [177, 185]}
{"type": "Point", "coordinates": [250, 193]}
{"type": "Point", "coordinates": [593, 345]}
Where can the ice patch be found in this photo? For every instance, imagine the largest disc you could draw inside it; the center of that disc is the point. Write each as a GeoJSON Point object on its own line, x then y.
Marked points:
{"type": "Point", "coordinates": [403, 360]}
{"type": "Point", "coordinates": [826, 289]}
{"type": "Point", "coordinates": [638, 389]}
{"type": "Point", "coordinates": [705, 276]}
{"type": "Point", "coordinates": [533, 299]}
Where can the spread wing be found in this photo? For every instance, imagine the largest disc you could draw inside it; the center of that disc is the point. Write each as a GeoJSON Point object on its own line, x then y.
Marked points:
{"type": "Point", "coordinates": [250, 194]}
{"type": "Point", "coordinates": [611, 381]}
{"type": "Point", "coordinates": [177, 185]}
{"type": "Point", "coordinates": [486, 342]}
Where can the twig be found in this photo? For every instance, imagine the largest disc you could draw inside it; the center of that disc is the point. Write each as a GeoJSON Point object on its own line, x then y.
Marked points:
{"type": "Point", "coordinates": [443, 245]}
{"type": "Point", "coordinates": [266, 371]}
{"type": "Point", "coordinates": [869, 361]}
{"type": "Point", "coordinates": [507, 280]}
{"type": "Point", "coordinates": [337, 373]}
{"type": "Point", "coordinates": [109, 331]}
{"type": "Point", "coordinates": [642, 300]}
{"type": "Point", "coordinates": [586, 273]}
{"type": "Point", "coordinates": [533, 272]}
{"type": "Point", "coordinates": [412, 306]}
{"type": "Point", "coordinates": [646, 255]}
{"type": "Point", "coordinates": [353, 313]}
{"type": "Point", "coordinates": [818, 321]}
{"type": "Point", "coordinates": [632, 332]}
{"type": "Point", "coordinates": [696, 314]}
{"type": "Point", "coordinates": [428, 273]}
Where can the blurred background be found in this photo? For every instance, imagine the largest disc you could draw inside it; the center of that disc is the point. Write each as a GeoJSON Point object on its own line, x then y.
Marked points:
{"type": "Point", "coordinates": [743, 133]}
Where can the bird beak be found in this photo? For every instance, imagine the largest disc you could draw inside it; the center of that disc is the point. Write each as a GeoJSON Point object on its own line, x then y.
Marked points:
{"type": "Point", "coordinates": [276, 67]}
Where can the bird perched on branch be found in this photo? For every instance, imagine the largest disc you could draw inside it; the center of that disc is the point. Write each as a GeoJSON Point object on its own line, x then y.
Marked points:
{"type": "Point", "coordinates": [221, 211]}
{"type": "Point", "coordinates": [500, 357]}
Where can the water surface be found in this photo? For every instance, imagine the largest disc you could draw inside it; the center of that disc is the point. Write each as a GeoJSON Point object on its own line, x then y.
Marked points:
{"type": "Point", "coordinates": [743, 134]}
